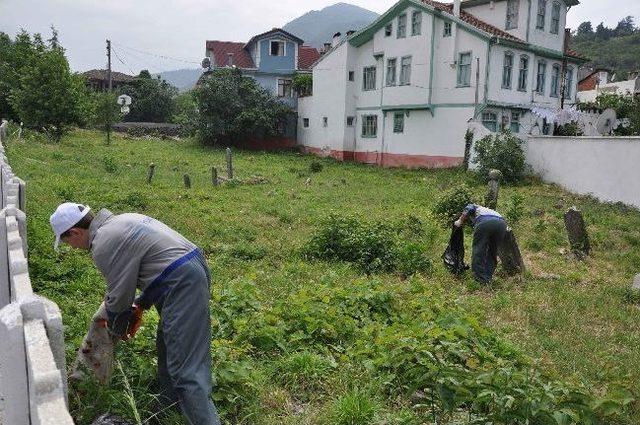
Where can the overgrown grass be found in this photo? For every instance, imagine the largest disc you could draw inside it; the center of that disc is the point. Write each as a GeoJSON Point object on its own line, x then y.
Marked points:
{"type": "Point", "coordinates": [298, 341]}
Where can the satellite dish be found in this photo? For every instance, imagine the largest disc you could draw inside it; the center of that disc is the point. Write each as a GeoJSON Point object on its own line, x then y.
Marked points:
{"type": "Point", "coordinates": [124, 100]}
{"type": "Point", "coordinates": [606, 122]}
{"type": "Point", "coordinates": [206, 63]}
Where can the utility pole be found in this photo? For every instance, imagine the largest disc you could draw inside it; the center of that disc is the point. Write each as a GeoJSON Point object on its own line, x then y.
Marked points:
{"type": "Point", "coordinates": [108, 124]}
{"type": "Point", "coordinates": [563, 70]}
{"type": "Point", "coordinates": [109, 63]}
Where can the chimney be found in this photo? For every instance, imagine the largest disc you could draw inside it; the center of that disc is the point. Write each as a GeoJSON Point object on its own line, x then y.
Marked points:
{"type": "Point", "coordinates": [229, 59]}
{"type": "Point", "coordinates": [456, 8]}
{"type": "Point", "coordinates": [336, 39]}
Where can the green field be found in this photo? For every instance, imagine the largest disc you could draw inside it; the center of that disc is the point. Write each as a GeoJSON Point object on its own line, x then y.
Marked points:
{"type": "Point", "coordinates": [299, 341]}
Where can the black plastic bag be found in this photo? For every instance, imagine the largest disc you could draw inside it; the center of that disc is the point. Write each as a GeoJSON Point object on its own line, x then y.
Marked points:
{"type": "Point", "coordinates": [453, 256]}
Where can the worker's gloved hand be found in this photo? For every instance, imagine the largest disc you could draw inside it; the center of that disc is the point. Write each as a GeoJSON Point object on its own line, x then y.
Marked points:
{"type": "Point", "coordinates": [135, 321]}
{"type": "Point", "coordinates": [457, 223]}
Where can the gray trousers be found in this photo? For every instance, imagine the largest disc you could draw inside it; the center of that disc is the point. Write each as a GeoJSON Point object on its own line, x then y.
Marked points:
{"type": "Point", "coordinates": [184, 342]}
{"type": "Point", "coordinates": [487, 236]}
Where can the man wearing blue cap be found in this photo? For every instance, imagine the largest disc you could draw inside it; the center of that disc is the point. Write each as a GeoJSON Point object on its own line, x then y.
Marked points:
{"type": "Point", "coordinates": [134, 251]}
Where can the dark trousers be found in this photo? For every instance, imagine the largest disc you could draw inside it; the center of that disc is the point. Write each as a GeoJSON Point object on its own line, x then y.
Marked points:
{"type": "Point", "coordinates": [487, 236]}
{"type": "Point", "coordinates": [184, 342]}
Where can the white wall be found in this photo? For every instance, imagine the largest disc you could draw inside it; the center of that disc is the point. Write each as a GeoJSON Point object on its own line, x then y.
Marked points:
{"type": "Point", "coordinates": [619, 87]}
{"type": "Point", "coordinates": [606, 167]}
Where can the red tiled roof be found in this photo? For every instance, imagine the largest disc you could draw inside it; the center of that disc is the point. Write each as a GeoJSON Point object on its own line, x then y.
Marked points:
{"type": "Point", "coordinates": [471, 19]}
{"type": "Point", "coordinates": [222, 49]}
{"type": "Point", "coordinates": [488, 28]}
{"type": "Point", "coordinates": [103, 74]}
{"type": "Point", "coordinates": [307, 56]}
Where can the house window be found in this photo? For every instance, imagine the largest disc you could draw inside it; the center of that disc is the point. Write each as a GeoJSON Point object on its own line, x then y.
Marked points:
{"type": "Point", "coordinates": [542, 13]}
{"type": "Point", "coordinates": [416, 22]}
{"type": "Point", "coordinates": [555, 81]}
{"type": "Point", "coordinates": [507, 70]}
{"type": "Point", "coordinates": [350, 121]}
{"type": "Point", "coordinates": [351, 75]}
{"type": "Point", "coordinates": [490, 120]}
{"type": "Point", "coordinates": [405, 71]}
{"type": "Point", "coordinates": [513, 7]}
{"type": "Point", "coordinates": [402, 25]}
{"type": "Point", "coordinates": [369, 125]}
{"type": "Point", "coordinates": [369, 78]}
{"type": "Point", "coordinates": [281, 127]}
{"type": "Point", "coordinates": [447, 29]}
{"type": "Point", "coordinates": [277, 48]}
{"type": "Point", "coordinates": [391, 72]}
{"type": "Point", "coordinates": [523, 73]}
{"type": "Point", "coordinates": [388, 29]}
{"type": "Point", "coordinates": [464, 70]}
{"type": "Point", "coordinates": [541, 77]}
{"type": "Point", "coordinates": [305, 122]}
{"type": "Point", "coordinates": [398, 122]}
{"type": "Point", "coordinates": [515, 122]}
{"type": "Point", "coordinates": [569, 83]}
{"type": "Point", "coordinates": [555, 18]}
{"type": "Point", "coordinates": [284, 87]}
{"type": "Point", "coordinates": [325, 121]}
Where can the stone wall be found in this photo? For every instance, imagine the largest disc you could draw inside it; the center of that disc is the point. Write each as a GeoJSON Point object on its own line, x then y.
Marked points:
{"type": "Point", "coordinates": [604, 167]}
{"type": "Point", "coordinates": [33, 381]}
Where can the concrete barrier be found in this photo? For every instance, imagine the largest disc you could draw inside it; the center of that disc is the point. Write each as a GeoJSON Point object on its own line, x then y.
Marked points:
{"type": "Point", "coordinates": [33, 379]}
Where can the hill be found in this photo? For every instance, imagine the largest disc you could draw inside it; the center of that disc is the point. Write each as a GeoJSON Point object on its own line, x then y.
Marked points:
{"type": "Point", "coordinates": [318, 26]}
{"type": "Point", "coordinates": [622, 54]}
{"type": "Point", "coordinates": [183, 79]}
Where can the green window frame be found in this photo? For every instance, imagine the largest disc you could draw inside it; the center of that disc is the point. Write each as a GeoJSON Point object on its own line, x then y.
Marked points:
{"type": "Point", "coordinates": [490, 121]}
{"type": "Point", "coordinates": [542, 14]}
{"type": "Point", "coordinates": [555, 18]}
{"type": "Point", "coordinates": [369, 126]}
{"type": "Point", "coordinates": [405, 71]}
{"type": "Point", "coordinates": [416, 22]}
{"type": "Point", "coordinates": [391, 72]}
{"type": "Point", "coordinates": [555, 81]}
{"type": "Point", "coordinates": [515, 122]}
{"type": "Point", "coordinates": [398, 122]}
{"type": "Point", "coordinates": [541, 76]}
{"type": "Point", "coordinates": [513, 7]}
{"type": "Point", "coordinates": [523, 73]}
{"type": "Point", "coordinates": [507, 70]}
{"type": "Point", "coordinates": [446, 32]}
{"type": "Point", "coordinates": [402, 26]}
{"type": "Point", "coordinates": [368, 78]}
{"type": "Point", "coordinates": [464, 70]}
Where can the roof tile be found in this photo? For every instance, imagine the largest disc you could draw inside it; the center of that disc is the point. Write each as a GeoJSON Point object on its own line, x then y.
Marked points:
{"type": "Point", "coordinates": [222, 49]}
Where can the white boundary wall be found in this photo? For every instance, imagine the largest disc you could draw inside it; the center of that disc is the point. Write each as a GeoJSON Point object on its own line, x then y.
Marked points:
{"type": "Point", "coordinates": [605, 167]}
{"type": "Point", "coordinates": [33, 379]}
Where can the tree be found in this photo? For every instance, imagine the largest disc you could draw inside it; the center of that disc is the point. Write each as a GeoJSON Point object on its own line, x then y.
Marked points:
{"type": "Point", "coordinates": [585, 30]}
{"type": "Point", "coordinates": [153, 100]}
{"type": "Point", "coordinates": [303, 84]}
{"type": "Point", "coordinates": [625, 27]}
{"type": "Point", "coordinates": [186, 113]}
{"type": "Point", "coordinates": [47, 95]}
{"type": "Point", "coordinates": [603, 33]}
{"type": "Point", "coordinates": [234, 107]}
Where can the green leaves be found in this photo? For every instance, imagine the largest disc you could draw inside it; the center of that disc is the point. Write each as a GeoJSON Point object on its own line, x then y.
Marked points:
{"type": "Point", "coordinates": [502, 152]}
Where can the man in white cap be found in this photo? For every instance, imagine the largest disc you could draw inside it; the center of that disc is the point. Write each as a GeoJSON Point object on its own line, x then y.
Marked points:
{"type": "Point", "coordinates": [134, 251]}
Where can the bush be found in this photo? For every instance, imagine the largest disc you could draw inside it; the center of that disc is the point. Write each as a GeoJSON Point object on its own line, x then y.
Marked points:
{"type": "Point", "coordinates": [450, 204]}
{"type": "Point", "coordinates": [110, 164]}
{"type": "Point", "coordinates": [372, 247]}
{"type": "Point", "coordinates": [315, 167]}
{"type": "Point", "coordinates": [503, 152]}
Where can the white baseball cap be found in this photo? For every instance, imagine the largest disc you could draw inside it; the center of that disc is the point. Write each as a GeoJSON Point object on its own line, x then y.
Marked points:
{"type": "Point", "coordinates": [65, 217]}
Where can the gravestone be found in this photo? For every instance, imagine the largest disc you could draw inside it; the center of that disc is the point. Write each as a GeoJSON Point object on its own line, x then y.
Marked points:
{"type": "Point", "coordinates": [509, 254]}
{"type": "Point", "coordinates": [214, 176]}
{"type": "Point", "coordinates": [150, 172]}
{"type": "Point", "coordinates": [187, 181]}
{"type": "Point", "coordinates": [577, 232]}
{"type": "Point", "coordinates": [636, 283]}
{"type": "Point", "coordinates": [229, 164]}
{"type": "Point", "coordinates": [491, 200]}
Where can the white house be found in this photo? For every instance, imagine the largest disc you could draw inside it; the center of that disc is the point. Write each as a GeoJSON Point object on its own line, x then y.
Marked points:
{"type": "Point", "coordinates": [402, 91]}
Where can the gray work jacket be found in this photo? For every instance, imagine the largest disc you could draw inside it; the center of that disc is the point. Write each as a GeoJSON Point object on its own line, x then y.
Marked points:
{"type": "Point", "coordinates": [131, 250]}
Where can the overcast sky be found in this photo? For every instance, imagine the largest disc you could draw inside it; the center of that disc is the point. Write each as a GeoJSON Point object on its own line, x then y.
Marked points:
{"type": "Point", "coordinates": [179, 28]}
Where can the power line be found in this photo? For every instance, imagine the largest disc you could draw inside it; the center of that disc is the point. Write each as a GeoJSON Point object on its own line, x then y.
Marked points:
{"type": "Point", "coordinates": [157, 55]}
{"type": "Point", "coordinates": [121, 61]}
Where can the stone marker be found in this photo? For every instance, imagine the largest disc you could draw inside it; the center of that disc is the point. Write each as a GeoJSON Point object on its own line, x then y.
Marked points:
{"type": "Point", "coordinates": [577, 232]}
{"type": "Point", "coordinates": [491, 200]}
{"type": "Point", "coordinates": [229, 164]}
{"type": "Point", "coordinates": [214, 176]}
{"type": "Point", "coordinates": [636, 283]}
{"type": "Point", "coordinates": [187, 181]}
{"type": "Point", "coordinates": [13, 367]}
{"type": "Point", "coordinates": [509, 254]}
{"type": "Point", "coordinates": [150, 172]}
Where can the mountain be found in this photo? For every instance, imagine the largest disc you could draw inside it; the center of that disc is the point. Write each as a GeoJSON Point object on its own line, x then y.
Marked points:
{"type": "Point", "coordinates": [183, 79]}
{"type": "Point", "coordinates": [621, 54]}
{"type": "Point", "coordinates": [318, 26]}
